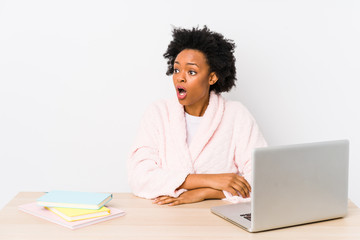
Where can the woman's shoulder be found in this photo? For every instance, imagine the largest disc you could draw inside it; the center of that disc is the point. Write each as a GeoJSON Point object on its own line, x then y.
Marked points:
{"type": "Point", "coordinates": [240, 116]}
{"type": "Point", "coordinates": [236, 105]}
{"type": "Point", "coordinates": [237, 108]}
{"type": "Point", "coordinates": [162, 104]}
{"type": "Point", "coordinates": [162, 107]}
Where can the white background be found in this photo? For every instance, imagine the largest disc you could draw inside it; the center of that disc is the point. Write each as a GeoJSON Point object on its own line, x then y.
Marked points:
{"type": "Point", "coordinates": [76, 77]}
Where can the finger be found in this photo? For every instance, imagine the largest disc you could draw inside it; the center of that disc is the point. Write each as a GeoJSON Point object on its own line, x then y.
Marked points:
{"type": "Point", "coordinates": [161, 198]}
{"type": "Point", "coordinates": [244, 185]}
{"type": "Point", "coordinates": [177, 202]}
{"type": "Point", "coordinates": [241, 180]}
{"type": "Point", "coordinates": [242, 189]}
{"type": "Point", "coordinates": [232, 191]}
{"type": "Point", "coordinates": [167, 201]}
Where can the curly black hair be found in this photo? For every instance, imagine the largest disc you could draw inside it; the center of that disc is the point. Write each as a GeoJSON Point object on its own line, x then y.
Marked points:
{"type": "Point", "coordinates": [219, 54]}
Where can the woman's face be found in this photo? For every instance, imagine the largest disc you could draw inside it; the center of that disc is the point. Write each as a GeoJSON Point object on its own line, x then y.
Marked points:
{"type": "Point", "coordinates": [192, 80]}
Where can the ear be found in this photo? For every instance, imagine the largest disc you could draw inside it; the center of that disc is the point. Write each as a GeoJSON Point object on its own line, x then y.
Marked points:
{"type": "Point", "coordinates": [213, 78]}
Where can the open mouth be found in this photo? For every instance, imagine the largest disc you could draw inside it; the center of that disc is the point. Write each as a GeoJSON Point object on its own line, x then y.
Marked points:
{"type": "Point", "coordinates": [181, 92]}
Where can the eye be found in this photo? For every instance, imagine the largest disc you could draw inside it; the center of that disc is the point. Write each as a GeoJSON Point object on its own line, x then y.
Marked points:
{"type": "Point", "coordinates": [192, 73]}
{"type": "Point", "coordinates": [176, 70]}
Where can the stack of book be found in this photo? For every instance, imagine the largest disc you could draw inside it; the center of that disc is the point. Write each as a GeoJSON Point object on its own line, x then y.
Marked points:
{"type": "Point", "coordinates": [73, 209]}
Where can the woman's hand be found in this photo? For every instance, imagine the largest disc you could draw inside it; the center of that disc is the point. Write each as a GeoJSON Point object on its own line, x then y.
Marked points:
{"type": "Point", "coordinates": [230, 182]}
{"type": "Point", "coordinates": [191, 196]}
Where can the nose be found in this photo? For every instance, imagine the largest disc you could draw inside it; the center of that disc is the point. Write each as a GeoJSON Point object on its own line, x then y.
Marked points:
{"type": "Point", "coordinates": [180, 77]}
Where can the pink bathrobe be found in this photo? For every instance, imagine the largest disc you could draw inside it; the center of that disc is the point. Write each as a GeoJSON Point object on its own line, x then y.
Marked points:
{"type": "Point", "coordinates": [160, 159]}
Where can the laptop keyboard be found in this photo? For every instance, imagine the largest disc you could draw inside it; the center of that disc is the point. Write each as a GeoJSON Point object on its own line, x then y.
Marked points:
{"type": "Point", "coordinates": [246, 216]}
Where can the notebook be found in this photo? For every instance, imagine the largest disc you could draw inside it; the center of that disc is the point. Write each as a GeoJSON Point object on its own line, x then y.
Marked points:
{"type": "Point", "coordinates": [293, 185]}
{"type": "Point", "coordinates": [42, 212]}
{"type": "Point", "coordinates": [76, 214]}
{"type": "Point", "coordinates": [73, 199]}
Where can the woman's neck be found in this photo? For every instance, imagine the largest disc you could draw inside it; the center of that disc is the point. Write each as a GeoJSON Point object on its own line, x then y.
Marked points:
{"type": "Point", "coordinates": [197, 109]}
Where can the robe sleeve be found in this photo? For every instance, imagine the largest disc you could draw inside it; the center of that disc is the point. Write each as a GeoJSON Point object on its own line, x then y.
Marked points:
{"type": "Point", "coordinates": [147, 177]}
{"type": "Point", "coordinates": [249, 138]}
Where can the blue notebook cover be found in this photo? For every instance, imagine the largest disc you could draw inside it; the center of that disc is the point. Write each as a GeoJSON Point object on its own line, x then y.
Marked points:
{"type": "Point", "coordinates": [74, 199]}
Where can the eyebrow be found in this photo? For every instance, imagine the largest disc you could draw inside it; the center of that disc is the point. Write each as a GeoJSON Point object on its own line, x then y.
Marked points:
{"type": "Point", "coordinates": [187, 63]}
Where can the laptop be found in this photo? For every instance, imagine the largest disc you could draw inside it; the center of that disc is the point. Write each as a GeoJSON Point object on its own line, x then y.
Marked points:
{"type": "Point", "coordinates": [293, 185]}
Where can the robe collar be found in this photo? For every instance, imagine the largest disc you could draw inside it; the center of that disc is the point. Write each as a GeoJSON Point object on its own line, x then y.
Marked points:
{"type": "Point", "coordinates": [209, 123]}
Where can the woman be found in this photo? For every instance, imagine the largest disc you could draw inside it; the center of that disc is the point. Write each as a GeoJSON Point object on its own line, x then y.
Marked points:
{"type": "Point", "coordinates": [199, 146]}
